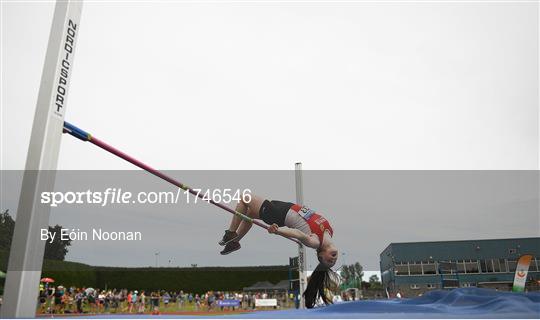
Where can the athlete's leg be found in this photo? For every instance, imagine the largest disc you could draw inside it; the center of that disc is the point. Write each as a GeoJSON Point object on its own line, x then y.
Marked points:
{"type": "Point", "coordinates": [235, 222]}
{"type": "Point", "coordinates": [253, 208]}
{"type": "Point", "coordinates": [231, 239]}
{"type": "Point", "coordinates": [250, 208]}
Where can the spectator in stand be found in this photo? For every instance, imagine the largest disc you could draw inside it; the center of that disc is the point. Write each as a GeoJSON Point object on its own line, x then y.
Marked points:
{"type": "Point", "coordinates": [58, 301]}
{"type": "Point", "coordinates": [124, 302]}
{"type": "Point", "coordinates": [210, 300]}
{"type": "Point", "coordinates": [142, 302]}
{"type": "Point", "coordinates": [218, 296]}
{"type": "Point", "coordinates": [50, 290]}
{"type": "Point", "coordinates": [134, 297]}
{"type": "Point", "coordinates": [166, 297]}
{"type": "Point", "coordinates": [100, 301]}
{"type": "Point", "coordinates": [157, 298]}
{"type": "Point", "coordinates": [79, 300]}
{"type": "Point", "coordinates": [155, 301]}
{"type": "Point", "coordinates": [197, 302]}
{"type": "Point", "coordinates": [42, 300]}
{"type": "Point", "coordinates": [129, 302]}
{"type": "Point", "coordinates": [117, 298]}
{"type": "Point", "coordinates": [108, 301]}
{"type": "Point", "coordinates": [67, 300]}
{"type": "Point", "coordinates": [180, 300]}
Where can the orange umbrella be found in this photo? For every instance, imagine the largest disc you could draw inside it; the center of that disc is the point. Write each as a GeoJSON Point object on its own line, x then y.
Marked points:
{"type": "Point", "coordinates": [47, 280]}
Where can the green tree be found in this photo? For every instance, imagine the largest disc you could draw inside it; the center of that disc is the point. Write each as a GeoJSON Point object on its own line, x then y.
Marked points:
{"type": "Point", "coordinates": [352, 275]}
{"type": "Point", "coordinates": [374, 282]}
{"type": "Point", "coordinates": [358, 271]}
{"type": "Point", "coordinates": [56, 250]}
{"type": "Point", "coordinates": [7, 225]}
{"type": "Point", "coordinates": [345, 273]}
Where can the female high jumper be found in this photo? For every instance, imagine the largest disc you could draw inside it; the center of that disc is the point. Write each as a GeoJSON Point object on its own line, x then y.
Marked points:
{"type": "Point", "coordinates": [293, 221]}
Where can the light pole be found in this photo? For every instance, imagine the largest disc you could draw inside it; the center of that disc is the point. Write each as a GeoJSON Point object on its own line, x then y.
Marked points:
{"type": "Point", "coordinates": [157, 255]}
{"type": "Point", "coordinates": [343, 255]}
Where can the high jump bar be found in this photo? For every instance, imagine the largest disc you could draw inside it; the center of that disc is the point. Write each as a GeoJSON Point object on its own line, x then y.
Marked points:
{"type": "Point", "coordinates": [87, 137]}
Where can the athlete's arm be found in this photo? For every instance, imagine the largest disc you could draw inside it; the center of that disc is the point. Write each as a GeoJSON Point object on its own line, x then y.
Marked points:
{"type": "Point", "coordinates": [306, 239]}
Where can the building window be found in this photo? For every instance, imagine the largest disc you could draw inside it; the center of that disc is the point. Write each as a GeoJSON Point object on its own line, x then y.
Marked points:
{"type": "Point", "coordinates": [443, 268]}
{"type": "Point", "coordinates": [402, 270]}
{"type": "Point", "coordinates": [431, 286]}
{"type": "Point", "coordinates": [489, 264]}
{"type": "Point", "coordinates": [534, 265]}
{"type": "Point", "coordinates": [502, 262]}
{"type": "Point", "coordinates": [468, 284]}
{"type": "Point", "coordinates": [512, 266]}
{"type": "Point", "coordinates": [448, 267]}
{"type": "Point", "coordinates": [429, 268]}
{"type": "Point", "coordinates": [460, 264]}
{"type": "Point", "coordinates": [496, 265]}
{"type": "Point", "coordinates": [483, 266]}
{"type": "Point", "coordinates": [471, 266]}
{"type": "Point", "coordinates": [414, 286]}
{"type": "Point", "coordinates": [415, 269]}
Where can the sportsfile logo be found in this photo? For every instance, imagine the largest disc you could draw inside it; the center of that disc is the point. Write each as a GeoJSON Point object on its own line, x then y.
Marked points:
{"type": "Point", "coordinates": [109, 196]}
{"type": "Point", "coordinates": [118, 196]}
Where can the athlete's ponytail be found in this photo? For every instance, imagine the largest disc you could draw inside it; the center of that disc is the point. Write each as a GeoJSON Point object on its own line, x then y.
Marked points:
{"type": "Point", "coordinates": [316, 286]}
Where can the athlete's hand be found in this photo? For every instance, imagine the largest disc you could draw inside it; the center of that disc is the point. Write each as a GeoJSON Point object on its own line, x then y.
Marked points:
{"type": "Point", "coordinates": [273, 228]}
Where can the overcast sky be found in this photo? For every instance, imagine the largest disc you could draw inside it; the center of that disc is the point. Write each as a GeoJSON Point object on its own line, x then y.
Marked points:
{"type": "Point", "coordinates": [262, 85]}
{"type": "Point", "coordinates": [334, 85]}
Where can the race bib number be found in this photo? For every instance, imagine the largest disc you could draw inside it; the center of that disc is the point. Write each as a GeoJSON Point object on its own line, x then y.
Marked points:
{"type": "Point", "coordinates": [306, 213]}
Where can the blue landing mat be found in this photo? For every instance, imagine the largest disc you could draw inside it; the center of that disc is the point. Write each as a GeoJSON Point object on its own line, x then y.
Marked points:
{"type": "Point", "coordinates": [459, 303]}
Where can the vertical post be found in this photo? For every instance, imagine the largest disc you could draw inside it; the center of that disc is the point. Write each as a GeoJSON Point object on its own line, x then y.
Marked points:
{"type": "Point", "coordinates": [302, 276]}
{"type": "Point", "coordinates": [27, 249]}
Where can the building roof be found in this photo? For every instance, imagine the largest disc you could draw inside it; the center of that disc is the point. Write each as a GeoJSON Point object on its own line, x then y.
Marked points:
{"type": "Point", "coordinates": [456, 241]}
{"type": "Point", "coordinates": [265, 285]}
{"type": "Point", "coordinates": [282, 285]}
{"type": "Point", "coordinates": [510, 248]}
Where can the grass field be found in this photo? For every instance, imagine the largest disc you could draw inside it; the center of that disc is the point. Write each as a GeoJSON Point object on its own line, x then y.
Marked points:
{"type": "Point", "coordinates": [171, 308]}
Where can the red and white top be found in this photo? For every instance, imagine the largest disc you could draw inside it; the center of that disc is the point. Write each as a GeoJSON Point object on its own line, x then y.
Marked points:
{"type": "Point", "coordinates": [308, 221]}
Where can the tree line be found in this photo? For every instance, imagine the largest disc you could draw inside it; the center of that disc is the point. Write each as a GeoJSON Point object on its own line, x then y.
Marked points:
{"type": "Point", "coordinates": [55, 250]}
{"type": "Point", "coordinates": [352, 277]}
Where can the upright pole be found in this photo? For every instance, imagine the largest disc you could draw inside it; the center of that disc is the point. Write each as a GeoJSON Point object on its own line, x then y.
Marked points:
{"type": "Point", "coordinates": [27, 249]}
{"type": "Point", "coordinates": [302, 276]}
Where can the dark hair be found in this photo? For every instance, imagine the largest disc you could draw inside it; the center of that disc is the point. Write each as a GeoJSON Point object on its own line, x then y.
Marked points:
{"type": "Point", "coordinates": [320, 279]}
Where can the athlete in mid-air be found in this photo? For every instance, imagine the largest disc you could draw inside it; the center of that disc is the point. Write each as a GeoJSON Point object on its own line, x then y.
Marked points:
{"type": "Point", "coordinates": [293, 221]}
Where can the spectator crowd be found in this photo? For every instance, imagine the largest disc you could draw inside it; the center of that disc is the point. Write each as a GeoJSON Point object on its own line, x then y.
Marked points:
{"type": "Point", "coordinates": [60, 300]}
